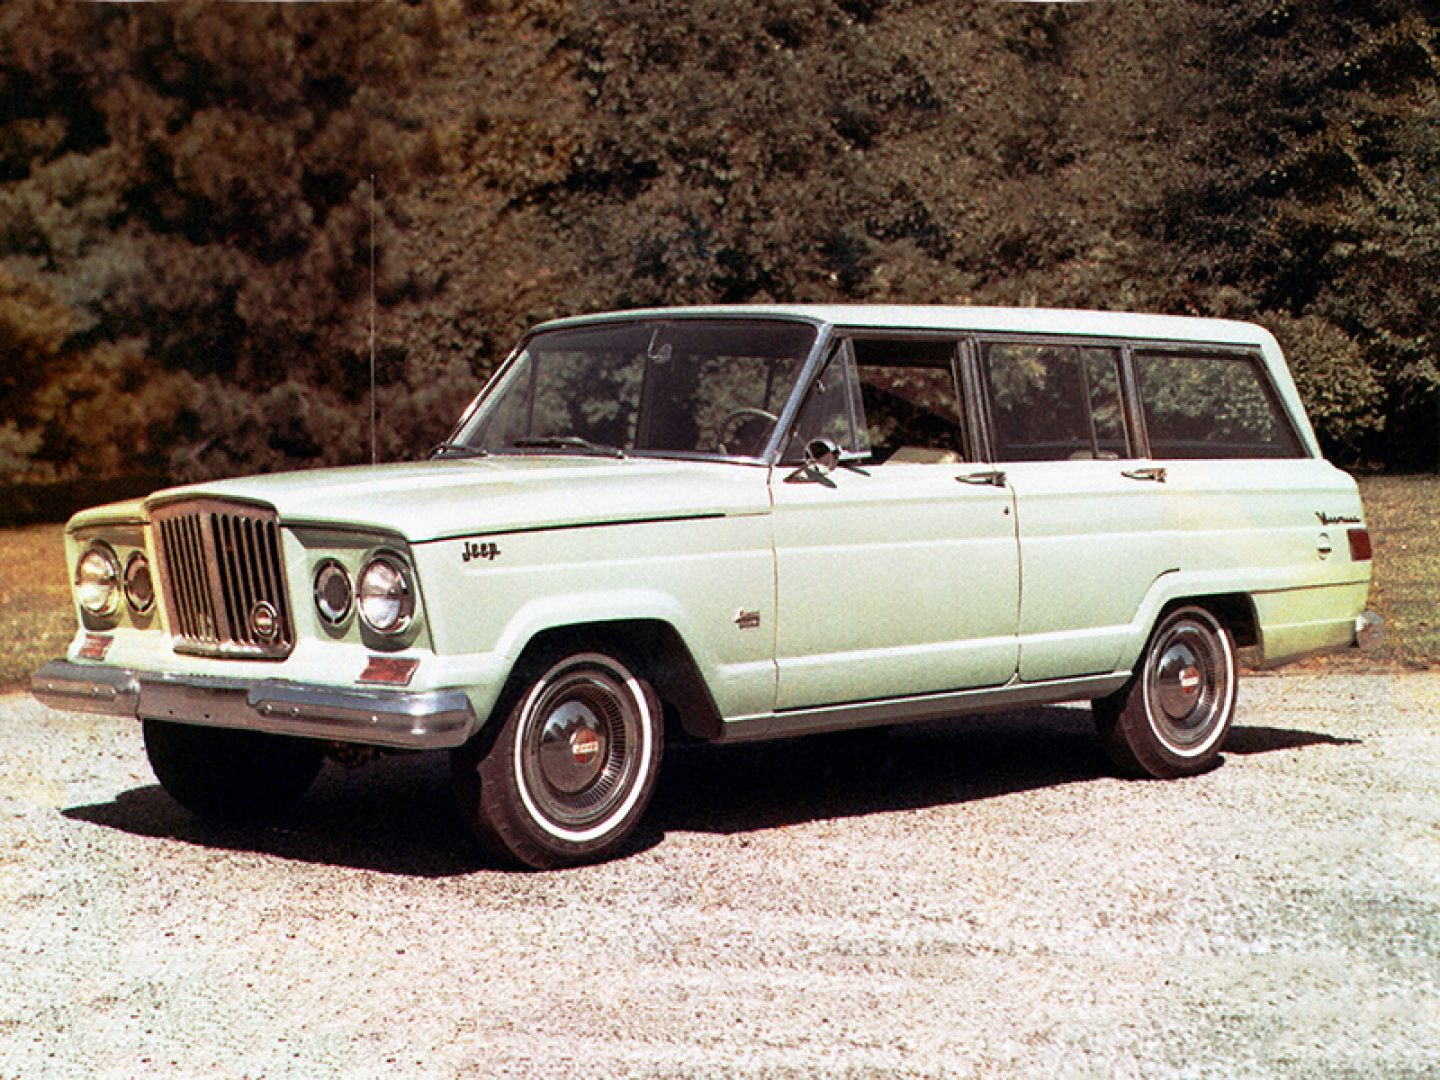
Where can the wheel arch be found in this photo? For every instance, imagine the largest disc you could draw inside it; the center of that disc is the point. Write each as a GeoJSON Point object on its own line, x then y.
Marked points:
{"type": "Point", "coordinates": [660, 653]}
{"type": "Point", "coordinates": [1235, 611]}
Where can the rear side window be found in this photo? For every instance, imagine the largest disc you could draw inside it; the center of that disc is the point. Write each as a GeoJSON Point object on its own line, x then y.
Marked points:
{"type": "Point", "coordinates": [1054, 402]}
{"type": "Point", "coordinates": [1212, 406]}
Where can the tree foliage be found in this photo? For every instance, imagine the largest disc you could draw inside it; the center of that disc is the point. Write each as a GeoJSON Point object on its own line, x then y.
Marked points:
{"type": "Point", "coordinates": [185, 208]}
{"type": "Point", "coordinates": [187, 186]}
{"type": "Point", "coordinates": [1312, 201]}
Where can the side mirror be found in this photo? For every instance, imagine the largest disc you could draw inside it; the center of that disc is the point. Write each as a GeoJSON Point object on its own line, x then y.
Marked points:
{"type": "Point", "coordinates": [822, 456]}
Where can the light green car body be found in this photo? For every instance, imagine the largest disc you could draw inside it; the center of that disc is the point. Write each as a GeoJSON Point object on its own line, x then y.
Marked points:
{"type": "Point", "coordinates": [782, 605]}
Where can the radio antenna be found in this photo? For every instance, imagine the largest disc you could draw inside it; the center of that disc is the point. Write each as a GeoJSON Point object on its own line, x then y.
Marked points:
{"type": "Point", "coordinates": [374, 453]}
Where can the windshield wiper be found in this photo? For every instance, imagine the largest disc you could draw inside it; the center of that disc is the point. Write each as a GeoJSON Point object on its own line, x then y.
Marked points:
{"type": "Point", "coordinates": [566, 442]}
{"type": "Point", "coordinates": [458, 450]}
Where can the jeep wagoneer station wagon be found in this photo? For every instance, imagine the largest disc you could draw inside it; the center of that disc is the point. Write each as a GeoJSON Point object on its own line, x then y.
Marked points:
{"type": "Point", "coordinates": [726, 524]}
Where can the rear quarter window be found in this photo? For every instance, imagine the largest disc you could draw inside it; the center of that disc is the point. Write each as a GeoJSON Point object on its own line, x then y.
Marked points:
{"type": "Point", "coordinates": [1208, 405]}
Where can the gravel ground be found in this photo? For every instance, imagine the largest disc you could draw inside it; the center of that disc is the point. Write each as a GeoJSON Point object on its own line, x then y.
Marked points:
{"type": "Point", "coordinates": [976, 898]}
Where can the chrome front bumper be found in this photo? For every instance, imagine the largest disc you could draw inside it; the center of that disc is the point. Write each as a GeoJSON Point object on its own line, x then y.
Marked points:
{"type": "Point", "coordinates": [415, 720]}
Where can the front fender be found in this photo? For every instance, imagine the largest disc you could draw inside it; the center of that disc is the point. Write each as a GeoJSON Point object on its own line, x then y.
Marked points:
{"type": "Point", "coordinates": [697, 577]}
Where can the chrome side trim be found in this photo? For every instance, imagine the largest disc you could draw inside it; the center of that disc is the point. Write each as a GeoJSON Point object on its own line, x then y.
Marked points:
{"type": "Point", "coordinates": [666, 519]}
{"type": "Point", "coordinates": [788, 722]}
{"type": "Point", "coordinates": [414, 720]}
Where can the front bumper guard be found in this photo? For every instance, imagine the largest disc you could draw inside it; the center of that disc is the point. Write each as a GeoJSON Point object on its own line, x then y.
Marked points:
{"type": "Point", "coordinates": [414, 720]}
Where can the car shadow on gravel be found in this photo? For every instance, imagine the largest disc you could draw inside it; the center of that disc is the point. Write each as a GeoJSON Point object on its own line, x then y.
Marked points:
{"type": "Point", "coordinates": [1265, 740]}
{"type": "Point", "coordinates": [739, 788]}
{"type": "Point", "coordinates": [395, 815]}
{"type": "Point", "coordinates": [729, 789]}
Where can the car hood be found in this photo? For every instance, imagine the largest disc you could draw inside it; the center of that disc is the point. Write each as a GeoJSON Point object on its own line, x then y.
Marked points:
{"type": "Point", "coordinates": [436, 500]}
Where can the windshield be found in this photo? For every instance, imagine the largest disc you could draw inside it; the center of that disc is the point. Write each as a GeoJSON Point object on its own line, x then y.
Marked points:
{"type": "Point", "coordinates": [682, 387]}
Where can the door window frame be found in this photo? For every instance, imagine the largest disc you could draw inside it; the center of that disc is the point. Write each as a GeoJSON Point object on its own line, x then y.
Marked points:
{"type": "Point", "coordinates": [967, 408]}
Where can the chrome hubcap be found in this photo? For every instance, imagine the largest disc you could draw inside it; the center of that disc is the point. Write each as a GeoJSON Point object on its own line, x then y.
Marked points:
{"type": "Point", "coordinates": [1188, 686]}
{"type": "Point", "coordinates": [1178, 682]}
{"type": "Point", "coordinates": [572, 747]}
{"type": "Point", "coordinates": [579, 746]}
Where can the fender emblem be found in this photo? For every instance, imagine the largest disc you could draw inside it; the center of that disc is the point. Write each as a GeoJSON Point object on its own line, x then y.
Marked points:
{"type": "Point", "coordinates": [488, 551]}
{"type": "Point", "coordinates": [747, 620]}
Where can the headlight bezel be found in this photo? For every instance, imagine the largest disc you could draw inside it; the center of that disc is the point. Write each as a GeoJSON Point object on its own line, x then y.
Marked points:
{"type": "Point", "coordinates": [330, 570]}
{"type": "Point", "coordinates": [406, 601]}
{"type": "Point", "coordinates": [136, 562]}
{"type": "Point", "coordinates": [110, 609]}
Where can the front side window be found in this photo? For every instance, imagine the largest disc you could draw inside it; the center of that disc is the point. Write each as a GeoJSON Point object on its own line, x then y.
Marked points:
{"type": "Point", "coordinates": [887, 400]}
{"type": "Point", "coordinates": [1211, 406]}
{"type": "Point", "coordinates": [683, 387]}
{"type": "Point", "coordinates": [1054, 402]}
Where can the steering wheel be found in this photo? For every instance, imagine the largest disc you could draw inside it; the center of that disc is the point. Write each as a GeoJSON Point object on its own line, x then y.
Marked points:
{"type": "Point", "coordinates": [745, 412]}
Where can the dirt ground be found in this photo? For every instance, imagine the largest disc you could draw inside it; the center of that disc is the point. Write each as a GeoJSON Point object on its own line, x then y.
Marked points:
{"type": "Point", "coordinates": [972, 898]}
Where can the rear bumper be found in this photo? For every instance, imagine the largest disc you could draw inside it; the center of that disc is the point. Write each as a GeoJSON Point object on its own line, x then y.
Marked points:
{"type": "Point", "coordinates": [415, 720]}
{"type": "Point", "coordinates": [1369, 631]}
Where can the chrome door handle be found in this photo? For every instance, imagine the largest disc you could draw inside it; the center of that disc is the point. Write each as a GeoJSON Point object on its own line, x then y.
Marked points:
{"type": "Point", "coordinates": [1151, 473]}
{"type": "Point", "coordinates": [994, 477]}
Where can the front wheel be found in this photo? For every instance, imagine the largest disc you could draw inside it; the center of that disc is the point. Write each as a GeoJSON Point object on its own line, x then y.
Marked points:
{"type": "Point", "coordinates": [571, 770]}
{"type": "Point", "coordinates": [1170, 719]}
{"type": "Point", "coordinates": [226, 775]}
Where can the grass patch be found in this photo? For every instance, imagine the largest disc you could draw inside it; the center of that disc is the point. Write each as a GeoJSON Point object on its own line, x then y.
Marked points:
{"type": "Point", "coordinates": [1403, 512]}
{"type": "Point", "coordinates": [37, 620]}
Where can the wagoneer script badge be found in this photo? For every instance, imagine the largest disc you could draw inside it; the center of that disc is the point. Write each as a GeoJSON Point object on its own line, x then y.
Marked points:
{"type": "Point", "coordinates": [265, 621]}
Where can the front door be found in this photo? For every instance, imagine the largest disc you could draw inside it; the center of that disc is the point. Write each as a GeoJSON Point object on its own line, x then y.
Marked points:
{"type": "Point", "coordinates": [897, 573]}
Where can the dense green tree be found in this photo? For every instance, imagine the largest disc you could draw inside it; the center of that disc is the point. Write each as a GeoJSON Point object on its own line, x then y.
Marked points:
{"type": "Point", "coordinates": [1311, 202]}
{"type": "Point", "coordinates": [192, 181]}
{"type": "Point", "coordinates": [185, 206]}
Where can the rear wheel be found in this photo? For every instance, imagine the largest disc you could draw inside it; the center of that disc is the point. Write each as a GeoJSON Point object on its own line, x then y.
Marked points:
{"type": "Point", "coordinates": [1172, 717]}
{"type": "Point", "coordinates": [226, 775]}
{"type": "Point", "coordinates": [570, 772]}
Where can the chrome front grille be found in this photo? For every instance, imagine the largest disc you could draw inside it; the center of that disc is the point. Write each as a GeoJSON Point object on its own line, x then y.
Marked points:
{"type": "Point", "coordinates": [223, 578]}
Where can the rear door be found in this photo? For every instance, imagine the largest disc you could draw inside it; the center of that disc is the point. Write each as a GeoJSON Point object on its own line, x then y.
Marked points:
{"type": "Point", "coordinates": [1093, 520]}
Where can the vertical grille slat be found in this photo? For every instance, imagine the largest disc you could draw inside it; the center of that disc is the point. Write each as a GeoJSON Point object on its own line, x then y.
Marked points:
{"type": "Point", "coordinates": [192, 607]}
{"type": "Point", "coordinates": [276, 574]}
{"type": "Point", "coordinates": [248, 574]}
{"type": "Point", "coordinates": [205, 628]}
{"type": "Point", "coordinates": [220, 569]}
{"type": "Point", "coordinates": [190, 603]}
{"type": "Point", "coordinates": [231, 577]}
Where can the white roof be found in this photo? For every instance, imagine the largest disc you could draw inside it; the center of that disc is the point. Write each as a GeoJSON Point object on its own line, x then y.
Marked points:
{"type": "Point", "coordinates": [1013, 320]}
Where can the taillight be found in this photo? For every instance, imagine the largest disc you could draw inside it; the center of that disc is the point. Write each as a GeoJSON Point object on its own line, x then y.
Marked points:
{"type": "Point", "coordinates": [1360, 549]}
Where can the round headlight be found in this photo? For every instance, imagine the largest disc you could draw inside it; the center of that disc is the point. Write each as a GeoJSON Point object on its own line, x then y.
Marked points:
{"type": "Point", "coordinates": [385, 595]}
{"type": "Point", "coordinates": [334, 595]}
{"type": "Point", "coordinates": [139, 586]}
{"type": "Point", "coordinates": [97, 580]}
